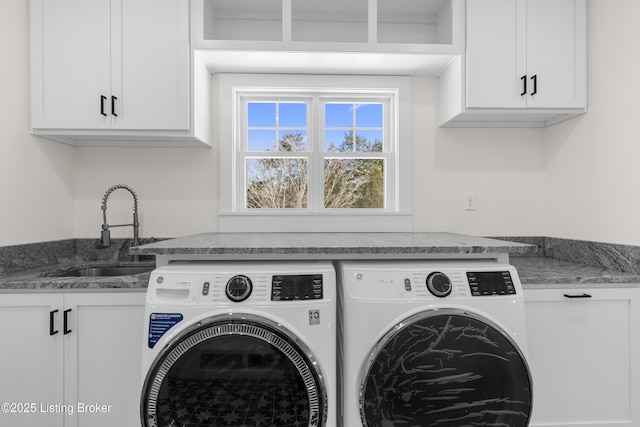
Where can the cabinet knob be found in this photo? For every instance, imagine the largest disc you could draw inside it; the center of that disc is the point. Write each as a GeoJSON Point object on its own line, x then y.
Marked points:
{"type": "Point", "coordinates": [102, 99]}
{"type": "Point", "coordinates": [583, 295]}
{"type": "Point", "coordinates": [535, 84]}
{"type": "Point", "coordinates": [52, 321]}
{"type": "Point", "coordinates": [65, 322]}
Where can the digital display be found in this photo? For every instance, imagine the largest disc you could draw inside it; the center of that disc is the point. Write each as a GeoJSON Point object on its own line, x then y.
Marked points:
{"type": "Point", "coordinates": [297, 287]}
{"type": "Point", "coordinates": [488, 283]}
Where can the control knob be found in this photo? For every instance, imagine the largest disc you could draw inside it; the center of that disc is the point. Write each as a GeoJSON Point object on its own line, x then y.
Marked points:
{"type": "Point", "coordinates": [239, 288]}
{"type": "Point", "coordinates": [439, 284]}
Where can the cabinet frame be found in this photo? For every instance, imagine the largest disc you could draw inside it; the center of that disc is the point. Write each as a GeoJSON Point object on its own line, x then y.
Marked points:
{"type": "Point", "coordinates": [474, 92]}
{"type": "Point", "coordinates": [578, 305]}
{"type": "Point", "coordinates": [122, 95]}
{"type": "Point", "coordinates": [71, 373]}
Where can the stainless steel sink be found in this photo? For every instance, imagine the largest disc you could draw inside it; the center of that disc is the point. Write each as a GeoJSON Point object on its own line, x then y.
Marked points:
{"type": "Point", "coordinates": [102, 271]}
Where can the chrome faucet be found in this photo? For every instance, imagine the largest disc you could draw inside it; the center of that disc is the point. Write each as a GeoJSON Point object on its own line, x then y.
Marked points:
{"type": "Point", "coordinates": [106, 234]}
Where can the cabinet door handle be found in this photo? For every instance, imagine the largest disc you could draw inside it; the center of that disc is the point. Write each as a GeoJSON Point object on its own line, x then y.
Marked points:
{"type": "Point", "coordinates": [65, 324]}
{"type": "Point", "coordinates": [524, 85]}
{"type": "Point", "coordinates": [535, 84]}
{"type": "Point", "coordinates": [52, 321]}
{"type": "Point", "coordinates": [113, 105]}
{"type": "Point", "coordinates": [583, 295]}
{"type": "Point", "coordinates": [102, 99]}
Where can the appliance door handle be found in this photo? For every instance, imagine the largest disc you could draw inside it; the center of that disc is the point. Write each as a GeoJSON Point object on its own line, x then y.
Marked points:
{"type": "Point", "coordinates": [576, 296]}
{"type": "Point", "coordinates": [102, 99]}
{"type": "Point", "coordinates": [52, 321]}
{"type": "Point", "coordinates": [535, 84]}
{"type": "Point", "coordinates": [113, 105]}
{"type": "Point", "coordinates": [65, 322]}
{"type": "Point", "coordinates": [524, 85]}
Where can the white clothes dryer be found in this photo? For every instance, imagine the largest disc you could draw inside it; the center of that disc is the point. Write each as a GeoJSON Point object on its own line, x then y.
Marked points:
{"type": "Point", "coordinates": [240, 344]}
{"type": "Point", "coordinates": [432, 343]}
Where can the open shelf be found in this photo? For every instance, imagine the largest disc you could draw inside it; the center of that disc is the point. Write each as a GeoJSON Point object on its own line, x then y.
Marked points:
{"type": "Point", "coordinates": [329, 36]}
{"type": "Point", "coordinates": [414, 21]}
{"type": "Point", "coordinates": [242, 20]}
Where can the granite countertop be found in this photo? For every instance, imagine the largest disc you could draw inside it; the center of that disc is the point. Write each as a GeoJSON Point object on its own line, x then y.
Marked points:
{"type": "Point", "coordinates": [549, 271]}
{"type": "Point", "coordinates": [45, 278]}
{"type": "Point", "coordinates": [532, 268]}
{"type": "Point", "coordinates": [329, 245]}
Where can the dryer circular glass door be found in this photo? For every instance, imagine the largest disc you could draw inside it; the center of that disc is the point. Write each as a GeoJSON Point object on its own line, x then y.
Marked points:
{"type": "Point", "coordinates": [446, 368]}
{"type": "Point", "coordinates": [233, 372]}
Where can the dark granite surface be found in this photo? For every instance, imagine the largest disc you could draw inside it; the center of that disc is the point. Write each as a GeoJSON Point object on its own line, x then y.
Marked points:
{"type": "Point", "coordinates": [549, 271]}
{"type": "Point", "coordinates": [330, 245]}
{"type": "Point", "coordinates": [541, 261]}
{"type": "Point", "coordinates": [32, 266]}
{"type": "Point", "coordinates": [44, 278]}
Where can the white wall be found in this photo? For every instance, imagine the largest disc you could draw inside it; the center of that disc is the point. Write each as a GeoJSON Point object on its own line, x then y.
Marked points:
{"type": "Point", "coordinates": [36, 175]}
{"type": "Point", "coordinates": [577, 179]}
{"type": "Point", "coordinates": [593, 162]}
{"type": "Point", "coordinates": [504, 168]}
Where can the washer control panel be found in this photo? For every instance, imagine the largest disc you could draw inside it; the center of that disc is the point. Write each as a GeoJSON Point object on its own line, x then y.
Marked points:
{"type": "Point", "coordinates": [487, 283]}
{"type": "Point", "coordinates": [232, 283]}
{"type": "Point", "coordinates": [296, 287]}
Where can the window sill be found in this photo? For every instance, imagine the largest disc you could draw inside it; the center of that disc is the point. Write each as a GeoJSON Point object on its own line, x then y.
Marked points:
{"type": "Point", "coordinates": [315, 222]}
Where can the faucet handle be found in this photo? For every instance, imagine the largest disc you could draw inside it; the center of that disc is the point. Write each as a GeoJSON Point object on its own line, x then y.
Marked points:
{"type": "Point", "coordinates": [105, 239]}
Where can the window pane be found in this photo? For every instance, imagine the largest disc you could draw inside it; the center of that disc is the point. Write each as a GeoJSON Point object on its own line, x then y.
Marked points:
{"type": "Point", "coordinates": [369, 141]}
{"type": "Point", "coordinates": [338, 141]}
{"type": "Point", "coordinates": [276, 183]}
{"type": "Point", "coordinates": [261, 140]}
{"type": "Point", "coordinates": [354, 183]}
{"type": "Point", "coordinates": [338, 115]}
{"type": "Point", "coordinates": [292, 115]}
{"type": "Point", "coordinates": [262, 114]}
{"type": "Point", "coordinates": [369, 115]}
{"type": "Point", "coordinates": [293, 140]}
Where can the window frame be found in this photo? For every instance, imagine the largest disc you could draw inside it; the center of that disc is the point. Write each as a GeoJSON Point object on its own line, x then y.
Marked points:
{"type": "Point", "coordinates": [237, 90]}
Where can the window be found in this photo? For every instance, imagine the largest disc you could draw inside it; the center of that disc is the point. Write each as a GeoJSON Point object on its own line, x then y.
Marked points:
{"type": "Point", "coordinates": [311, 157]}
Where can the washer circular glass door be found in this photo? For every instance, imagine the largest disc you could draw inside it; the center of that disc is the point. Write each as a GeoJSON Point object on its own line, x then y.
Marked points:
{"type": "Point", "coordinates": [231, 372]}
{"type": "Point", "coordinates": [449, 368]}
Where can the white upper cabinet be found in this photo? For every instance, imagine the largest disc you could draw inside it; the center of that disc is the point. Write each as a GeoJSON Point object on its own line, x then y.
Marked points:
{"type": "Point", "coordinates": [418, 37]}
{"type": "Point", "coordinates": [526, 65]}
{"type": "Point", "coordinates": [115, 72]}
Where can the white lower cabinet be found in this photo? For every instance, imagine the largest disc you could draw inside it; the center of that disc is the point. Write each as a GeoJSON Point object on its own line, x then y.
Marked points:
{"type": "Point", "coordinates": [584, 354]}
{"type": "Point", "coordinates": [71, 359]}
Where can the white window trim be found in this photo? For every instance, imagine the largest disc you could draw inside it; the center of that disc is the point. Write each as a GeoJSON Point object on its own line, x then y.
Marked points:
{"type": "Point", "coordinates": [397, 214]}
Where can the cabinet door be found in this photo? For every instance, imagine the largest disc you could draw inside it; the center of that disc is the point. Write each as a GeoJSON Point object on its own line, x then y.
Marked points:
{"type": "Point", "coordinates": [31, 360]}
{"type": "Point", "coordinates": [583, 354]}
{"type": "Point", "coordinates": [103, 358]}
{"type": "Point", "coordinates": [496, 55]}
{"type": "Point", "coordinates": [69, 63]}
{"type": "Point", "coordinates": [556, 53]}
{"type": "Point", "coordinates": [150, 64]}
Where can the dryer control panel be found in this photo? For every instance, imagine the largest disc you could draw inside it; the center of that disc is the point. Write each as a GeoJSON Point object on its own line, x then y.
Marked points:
{"type": "Point", "coordinates": [434, 280]}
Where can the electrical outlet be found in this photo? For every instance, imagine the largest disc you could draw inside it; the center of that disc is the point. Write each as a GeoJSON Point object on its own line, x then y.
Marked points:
{"type": "Point", "coordinates": [469, 201]}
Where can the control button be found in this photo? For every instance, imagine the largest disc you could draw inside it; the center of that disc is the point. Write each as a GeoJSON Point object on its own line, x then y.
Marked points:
{"type": "Point", "coordinates": [205, 288]}
{"type": "Point", "coordinates": [407, 285]}
{"type": "Point", "coordinates": [239, 288]}
{"type": "Point", "coordinates": [439, 284]}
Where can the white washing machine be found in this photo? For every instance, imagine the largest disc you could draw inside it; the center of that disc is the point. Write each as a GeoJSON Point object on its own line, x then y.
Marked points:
{"type": "Point", "coordinates": [432, 343]}
{"type": "Point", "coordinates": [240, 344]}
